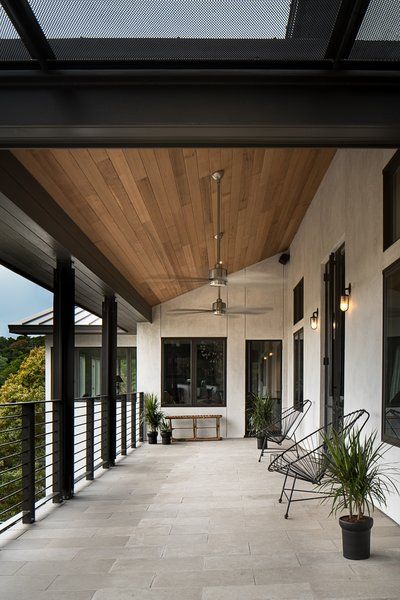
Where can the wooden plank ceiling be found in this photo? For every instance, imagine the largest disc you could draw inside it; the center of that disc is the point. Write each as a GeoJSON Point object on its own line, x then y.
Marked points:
{"type": "Point", "coordinates": [152, 211]}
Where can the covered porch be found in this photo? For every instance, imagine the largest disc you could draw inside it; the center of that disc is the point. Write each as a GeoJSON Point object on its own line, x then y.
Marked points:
{"type": "Point", "coordinates": [196, 521]}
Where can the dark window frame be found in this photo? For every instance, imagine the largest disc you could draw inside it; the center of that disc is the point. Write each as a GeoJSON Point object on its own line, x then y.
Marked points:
{"type": "Point", "coordinates": [298, 301]}
{"type": "Point", "coordinates": [193, 373]}
{"type": "Point", "coordinates": [388, 172]}
{"type": "Point", "coordinates": [298, 403]}
{"type": "Point", "coordinates": [393, 441]}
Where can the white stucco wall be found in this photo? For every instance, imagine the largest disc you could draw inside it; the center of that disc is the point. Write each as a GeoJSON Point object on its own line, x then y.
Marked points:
{"type": "Point", "coordinates": [348, 207]}
{"type": "Point", "coordinates": [259, 286]}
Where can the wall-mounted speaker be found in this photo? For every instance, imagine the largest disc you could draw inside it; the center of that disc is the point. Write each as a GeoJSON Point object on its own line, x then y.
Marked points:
{"type": "Point", "coordinates": [284, 258]}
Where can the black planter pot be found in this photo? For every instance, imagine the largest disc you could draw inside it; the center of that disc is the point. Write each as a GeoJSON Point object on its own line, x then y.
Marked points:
{"type": "Point", "coordinates": [356, 537]}
{"type": "Point", "coordinates": [260, 442]}
{"type": "Point", "coordinates": [152, 437]}
{"type": "Point", "coordinates": [166, 437]}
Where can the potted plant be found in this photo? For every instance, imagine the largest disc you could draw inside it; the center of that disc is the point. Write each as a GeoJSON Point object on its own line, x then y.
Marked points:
{"type": "Point", "coordinates": [356, 480]}
{"type": "Point", "coordinates": [261, 414]}
{"type": "Point", "coordinates": [152, 416]}
{"type": "Point", "coordinates": [166, 433]}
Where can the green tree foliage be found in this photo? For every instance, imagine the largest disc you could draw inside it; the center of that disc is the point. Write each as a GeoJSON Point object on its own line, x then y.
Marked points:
{"type": "Point", "coordinates": [13, 351]}
{"type": "Point", "coordinates": [26, 385]}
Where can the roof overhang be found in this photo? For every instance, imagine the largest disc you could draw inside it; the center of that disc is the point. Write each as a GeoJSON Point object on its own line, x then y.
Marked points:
{"type": "Point", "coordinates": [35, 231]}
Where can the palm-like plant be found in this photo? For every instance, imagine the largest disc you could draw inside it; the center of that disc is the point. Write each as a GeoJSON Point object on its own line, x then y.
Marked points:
{"type": "Point", "coordinates": [152, 415]}
{"type": "Point", "coordinates": [261, 412]}
{"type": "Point", "coordinates": [356, 478]}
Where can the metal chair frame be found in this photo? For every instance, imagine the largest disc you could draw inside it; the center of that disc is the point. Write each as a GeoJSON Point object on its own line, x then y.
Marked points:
{"type": "Point", "coordinates": [293, 418]}
{"type": "Point", "coordinates": [309, 464]}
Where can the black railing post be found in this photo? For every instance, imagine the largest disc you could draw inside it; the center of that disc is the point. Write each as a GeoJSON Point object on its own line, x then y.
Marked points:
{"type": "Point", "coordinates": [89, 439]}
{"type": "Point", "coordinates": [109, 377]}
{"type": "Point", "coordinates": [57, 452]}
{"type": "Point", "coordinates": [28, 462]}
{"type": "Point", "coordinates": [63, 367]}
{"type": "Point", "coordinates": [133, 420]}
{"type": "Point", "coordinates": [123, 400]}
{"type": "Point", "coordinates": [141, 423]}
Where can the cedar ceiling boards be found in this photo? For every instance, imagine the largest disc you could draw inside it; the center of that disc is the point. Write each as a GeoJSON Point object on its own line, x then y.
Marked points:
{"type": "Point", "coordinates": [151, 212]}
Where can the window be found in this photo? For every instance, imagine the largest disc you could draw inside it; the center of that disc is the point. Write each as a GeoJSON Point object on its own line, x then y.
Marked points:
{"type": "Point", "coordinates": [194, 372]}
{"type": "Point", "coordinates": [88, 374]}
{"type": "Point", "coordinates": [88, 371]}
{"type": "Point", "coordinates": [298, 302]}
{"type": "Point", "coordinates": [391, 355]}
{"type": "Point", "coordinates": [298, 361]}
{"type": "Point", "coordinates": [391, 202]}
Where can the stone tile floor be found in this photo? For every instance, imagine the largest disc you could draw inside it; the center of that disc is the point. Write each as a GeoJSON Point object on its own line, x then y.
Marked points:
{"type": "Point", "coordinates": [194, 521]}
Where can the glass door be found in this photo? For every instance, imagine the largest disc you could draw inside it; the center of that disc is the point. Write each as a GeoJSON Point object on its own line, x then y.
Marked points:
{"type": "Point", "coordinates": [334, 279]}
{"type": "Point", "coordinates": [263, 373]}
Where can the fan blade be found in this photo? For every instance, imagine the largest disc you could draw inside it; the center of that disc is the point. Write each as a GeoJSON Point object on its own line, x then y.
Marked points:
{"type": "Point", "coordinates": [255, 279]}
{"type": "Point", "coordinates": [188, 311]}
{"type": "Point", "coordinates": [183, 279]}
{"type": "Point", "coordinates": [248, 311]}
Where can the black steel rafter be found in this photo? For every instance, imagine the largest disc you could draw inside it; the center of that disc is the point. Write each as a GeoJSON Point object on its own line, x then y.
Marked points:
{"type": "Point", "coordinates": [22, 17]}
{"type": "Point", "coordinates": [348, 23]}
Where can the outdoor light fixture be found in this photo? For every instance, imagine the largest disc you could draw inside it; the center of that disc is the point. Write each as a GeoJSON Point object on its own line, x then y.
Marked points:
{"type": "Point", "coordinates": [314, 319]}
{"type": "Point", "coordinates": [345, 299]}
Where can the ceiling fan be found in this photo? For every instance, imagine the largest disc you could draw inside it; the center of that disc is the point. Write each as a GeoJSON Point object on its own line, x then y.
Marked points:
{"type": "Point", "coordinates": [217, 275]}
{"type": "Point", "coordinates": [219, 308]}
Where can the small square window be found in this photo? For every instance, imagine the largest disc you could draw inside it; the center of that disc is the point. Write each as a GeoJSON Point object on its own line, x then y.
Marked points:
{"type": "Point", "coordinates": [298, 366]}
{"type": "Point", "coordinates": [298, 302]}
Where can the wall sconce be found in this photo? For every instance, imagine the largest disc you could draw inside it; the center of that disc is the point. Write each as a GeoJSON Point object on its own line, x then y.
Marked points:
{"type": "Point", "coordinates": [345, 299]}
{"type": "Point", "coordinates": [314, 319]}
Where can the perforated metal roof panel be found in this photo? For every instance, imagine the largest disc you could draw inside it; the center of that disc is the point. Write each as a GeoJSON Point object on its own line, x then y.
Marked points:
{"type": "Point", "coordinates": [379, 34]}
{"type": "Point", "coordinates": [187, 29]}
{"type": "Point", "coordinates": [11, 46]}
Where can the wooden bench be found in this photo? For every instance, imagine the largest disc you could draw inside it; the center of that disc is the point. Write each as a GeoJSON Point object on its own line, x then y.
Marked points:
{"type": "Point", "coordinates": [195, 427]}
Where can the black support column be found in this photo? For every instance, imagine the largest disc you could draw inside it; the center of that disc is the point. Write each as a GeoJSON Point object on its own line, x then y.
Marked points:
{"type": "Point", "coordinates": [63, 377]}
{"type": "Point", "coordinates": [109, 379]}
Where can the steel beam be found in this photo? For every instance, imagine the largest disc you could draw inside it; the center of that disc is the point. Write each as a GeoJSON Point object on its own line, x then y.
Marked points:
{"type": "Point", "coordinates": [348, 23]}
{"type": "Point", "coordinates": [202, 109]}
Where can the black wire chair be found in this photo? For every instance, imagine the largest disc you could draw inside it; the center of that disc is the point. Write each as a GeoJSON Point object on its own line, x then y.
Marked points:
{"type": "Point", "coordinates": [306, 459]}
{"type": "Point", "coordinates": [284, 427]}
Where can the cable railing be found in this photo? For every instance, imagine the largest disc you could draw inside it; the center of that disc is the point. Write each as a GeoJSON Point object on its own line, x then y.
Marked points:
{"type": "Point", "coordinates": [32, 439]}
{"type": "Point", "coordinates": [27, 459]}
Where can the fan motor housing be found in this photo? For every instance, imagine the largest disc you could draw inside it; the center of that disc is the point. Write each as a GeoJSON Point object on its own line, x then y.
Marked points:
{"type": "Point", "coordinates": [218, 275]}
{"type": "Point", "coordinates": [219, 307]}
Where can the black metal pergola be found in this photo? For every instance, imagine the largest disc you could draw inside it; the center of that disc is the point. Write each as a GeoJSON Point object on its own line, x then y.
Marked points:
{"type": "Point", "coordinates": [255, 72]}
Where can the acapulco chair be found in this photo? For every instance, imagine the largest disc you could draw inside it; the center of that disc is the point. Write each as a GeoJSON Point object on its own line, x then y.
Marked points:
{"type": "Point", "coordinates": [305, 460]}
{"type": "Point", "coordinates": [284, 427]}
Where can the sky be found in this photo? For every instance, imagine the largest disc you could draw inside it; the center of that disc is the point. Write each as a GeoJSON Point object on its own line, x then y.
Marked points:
{"type": "Point", "coordinates": [19, 298]}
